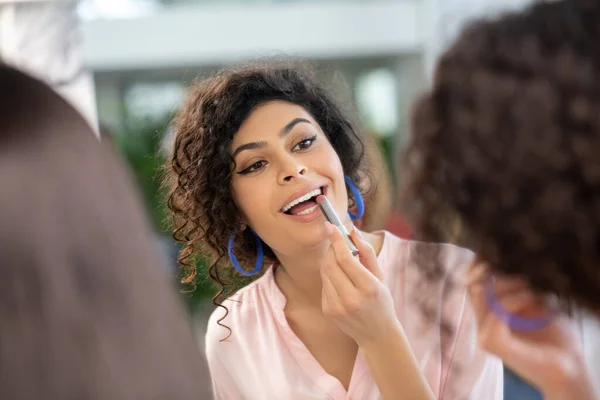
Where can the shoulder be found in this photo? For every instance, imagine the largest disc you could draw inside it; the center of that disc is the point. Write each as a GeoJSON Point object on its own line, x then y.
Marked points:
{"type": "Point", "coordinates": [435, 261]}
{"type": "Point", "coordinates": [232, 314]}
{"type": "Point", "coordinates": [232, 323]}
{"type": "Point", "coordinates": [427, 282]}
{"type": "Point", "coordinates": [426, 279]}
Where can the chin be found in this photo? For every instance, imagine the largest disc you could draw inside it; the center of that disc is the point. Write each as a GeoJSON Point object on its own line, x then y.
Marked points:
{"type": "Point", "coordinates": [312, 237]}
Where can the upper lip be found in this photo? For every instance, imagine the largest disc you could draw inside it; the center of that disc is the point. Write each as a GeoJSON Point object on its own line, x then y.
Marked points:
{"type": "Point", "coordinates": [298, 194]}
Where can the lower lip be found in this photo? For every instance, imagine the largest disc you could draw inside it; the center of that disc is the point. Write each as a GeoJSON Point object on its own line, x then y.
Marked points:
{"type": "Point", "coordinates": [311, 216]}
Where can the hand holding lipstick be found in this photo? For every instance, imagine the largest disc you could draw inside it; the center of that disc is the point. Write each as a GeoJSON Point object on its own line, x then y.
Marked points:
{"type": "Point", "coordinates": [354, 296]}
{"type": "Point", "coordinates": [360, 304]}
{"type": "Point", "coordinates": [549, 358]}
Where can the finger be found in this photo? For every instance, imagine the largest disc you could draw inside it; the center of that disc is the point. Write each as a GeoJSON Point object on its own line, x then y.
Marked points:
{"type": "Point", "coordinates": [524, 353]}
{"type": "Point", "coordinates": [474, 280]}
{"type": "Point", "coordinates": [516, 296]}
{"type": "Point", "coordinates": [503, 284]}
{"type": "Point", "coordinates": [350, 265]}
{"type": "Point", "coordinates": [476, 295]}
{"type": "Point", "coordinates": [330, 297]}
{"type": "Point", "coordinates": [476, 273]}
{"type": "Point", "coordinates": [491, 332]}
{"type": "Point", "coordinates": [517, 303]}
{"type": "Point", "coordinates": [526, 304]}
{"type": "Point", "coordinates": [514, 299]}
{"type": "Point", "coordinates": [342, 284]}
{"type": "Point", "coordinates": [366, 253]}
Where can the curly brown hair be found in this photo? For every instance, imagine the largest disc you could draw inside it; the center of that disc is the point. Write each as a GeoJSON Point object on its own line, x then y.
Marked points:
{"type": "Point", "coordinates": [506, 146]}
{"type": "Point", "coordinates": [199, 170]}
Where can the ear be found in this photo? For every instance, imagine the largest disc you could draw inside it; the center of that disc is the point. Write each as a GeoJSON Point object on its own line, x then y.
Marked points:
{"type": "Point", "coordinates": [243, 221]}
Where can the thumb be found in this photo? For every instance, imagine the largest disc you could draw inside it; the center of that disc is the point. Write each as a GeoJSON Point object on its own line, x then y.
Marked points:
{"type": "Point", "coordinates": [366, 254]}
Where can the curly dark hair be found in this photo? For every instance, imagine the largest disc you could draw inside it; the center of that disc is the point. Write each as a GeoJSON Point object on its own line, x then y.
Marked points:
{"type": "Point", "coordinates": [505, 148]}
{"type": "Point", "coordinates": [200, 168]}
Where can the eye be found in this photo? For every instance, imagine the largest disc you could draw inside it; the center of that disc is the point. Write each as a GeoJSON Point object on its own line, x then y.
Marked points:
{"type": "Point", "coordinates": [253, 168]}
{"type": "Point", "coordinates": [305, 144]}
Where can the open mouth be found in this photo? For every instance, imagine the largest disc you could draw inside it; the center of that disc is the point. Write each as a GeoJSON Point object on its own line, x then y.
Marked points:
{"type": "Point", "coordinates": [304, 204]}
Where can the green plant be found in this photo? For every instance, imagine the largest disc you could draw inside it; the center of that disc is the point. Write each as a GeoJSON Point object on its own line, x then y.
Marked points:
{"type": "Point", "coordinates": [140, 144]}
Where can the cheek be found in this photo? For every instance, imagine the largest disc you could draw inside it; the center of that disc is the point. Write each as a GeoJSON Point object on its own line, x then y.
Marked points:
{"type": "Point", "coordinates": [329, 161]}
{"type": "Point", "coordinates": [333, 169]}
{"type": "Point", "coordinates": [250, 197]}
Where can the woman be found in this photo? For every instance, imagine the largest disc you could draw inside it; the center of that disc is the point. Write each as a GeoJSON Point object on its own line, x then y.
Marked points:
{"type": "Point", "coordinates": [505, 144]}
{"type": "Point", "coordinates": [253, 147]}
{"type": "Point", "coordinates": [86, 312]}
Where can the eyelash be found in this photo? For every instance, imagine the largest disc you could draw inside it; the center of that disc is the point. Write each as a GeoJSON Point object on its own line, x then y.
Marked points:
{"type": "Point", "coordinates": [310, 141]}
{"type": "Point", "coordinates": [257, 165]}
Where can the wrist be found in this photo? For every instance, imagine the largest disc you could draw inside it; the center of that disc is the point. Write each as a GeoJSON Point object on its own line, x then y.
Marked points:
{"type": "Point", "coordinates": [390, 337]}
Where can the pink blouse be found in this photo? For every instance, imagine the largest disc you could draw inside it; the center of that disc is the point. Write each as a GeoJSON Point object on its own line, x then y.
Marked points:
{"type": "Point", "coordinates": [263, 359]}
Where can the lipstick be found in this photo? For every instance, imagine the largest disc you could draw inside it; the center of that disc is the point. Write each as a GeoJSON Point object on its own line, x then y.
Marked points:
{"type": "Point", "coordinates": [332, 217]}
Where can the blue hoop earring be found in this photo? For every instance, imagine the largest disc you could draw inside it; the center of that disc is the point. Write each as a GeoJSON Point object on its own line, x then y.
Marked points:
{"type": "Point", "coordinates": [514, 321]}
{"type": "Point", "coordinates": [360, 205]}
{"type": "Point", "coordinates": [259, 255]}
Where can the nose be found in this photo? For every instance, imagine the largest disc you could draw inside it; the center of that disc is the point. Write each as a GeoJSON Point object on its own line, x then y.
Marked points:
{"type": "Point", "coordinates": [291, 169]}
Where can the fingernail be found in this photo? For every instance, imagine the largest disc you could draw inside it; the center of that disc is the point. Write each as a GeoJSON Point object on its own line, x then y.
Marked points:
{"type": "Point", "coordinates": [355, 229]}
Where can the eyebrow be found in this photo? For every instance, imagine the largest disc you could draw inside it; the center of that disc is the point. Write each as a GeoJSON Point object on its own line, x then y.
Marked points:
{"type": "Point", "coordinates": [257, 145]}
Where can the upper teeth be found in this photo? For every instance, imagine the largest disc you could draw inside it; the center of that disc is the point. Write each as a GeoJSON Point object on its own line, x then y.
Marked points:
{"type": "Point", "coordinates": [300, 199]}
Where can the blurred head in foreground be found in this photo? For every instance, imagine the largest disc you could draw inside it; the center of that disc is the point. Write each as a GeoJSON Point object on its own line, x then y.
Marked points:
{"type": "Point", "coordinates": [505, 150]}
{"type": "Point", "coordinates": [86, 311]}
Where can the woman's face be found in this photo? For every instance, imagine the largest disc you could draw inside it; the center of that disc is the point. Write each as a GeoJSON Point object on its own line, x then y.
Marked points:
{"type": "Point", "coordinates": [283, 157]}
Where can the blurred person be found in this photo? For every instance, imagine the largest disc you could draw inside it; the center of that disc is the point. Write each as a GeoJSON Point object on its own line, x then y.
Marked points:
{"type": "Point", "coordinates": [299, 317]}
{"type": "Point", "coordinates": [504, 159]}
{"type": "Point", "coordinates": [87, 310]}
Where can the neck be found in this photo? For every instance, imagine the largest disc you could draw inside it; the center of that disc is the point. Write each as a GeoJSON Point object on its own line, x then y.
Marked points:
{"type": "Point", "coordinates": [299, 277]}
